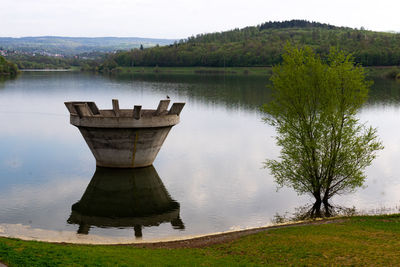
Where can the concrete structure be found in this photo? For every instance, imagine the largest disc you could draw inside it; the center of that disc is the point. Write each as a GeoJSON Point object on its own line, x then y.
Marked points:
{"type": "Point", "coordinates": [118, 198]}
{"type": "Point", "coordinates": [124, 138]}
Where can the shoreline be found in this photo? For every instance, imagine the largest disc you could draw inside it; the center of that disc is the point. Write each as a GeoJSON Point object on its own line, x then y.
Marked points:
{"type": "Point", "coordinates": [234, 71]}
{"type": "Point", "coordinates": [386, 72]}
{"type": "Point", "coordinates": [355, 240]}
{"type": "Point", "coordinates": [46, 70]}
{"type": "Point", "coordinates": [183, 241]}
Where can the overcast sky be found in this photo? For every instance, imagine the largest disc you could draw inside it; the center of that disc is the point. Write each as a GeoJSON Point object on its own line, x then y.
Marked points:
{"type": "Point", "coordinates": [182, 18]}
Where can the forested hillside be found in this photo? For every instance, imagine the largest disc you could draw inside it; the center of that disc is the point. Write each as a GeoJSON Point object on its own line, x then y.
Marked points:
{"type": "Point", "coordinates": [7, 68]}
{"type": "Point", "coordinates": [262, 45]}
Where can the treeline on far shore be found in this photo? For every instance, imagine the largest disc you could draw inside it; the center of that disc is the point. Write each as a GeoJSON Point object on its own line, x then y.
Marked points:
{"type": "Point", "coordinates": [248, 48]}
{"type": "Point", "coordinates": [24, 61]}
{"type": "Point", "coordinates": [7, 68]}
{"type": "Point", "coordinates": [263, 45]}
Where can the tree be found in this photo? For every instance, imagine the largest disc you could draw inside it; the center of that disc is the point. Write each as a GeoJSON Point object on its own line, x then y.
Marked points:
{"type": "Point", "coordinates": [7, 67]}
{"type": "Point", "coordinates": [324, 148]}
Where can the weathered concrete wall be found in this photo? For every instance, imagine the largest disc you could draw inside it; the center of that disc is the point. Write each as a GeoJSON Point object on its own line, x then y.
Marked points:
{"type": "Point", "coordinates": [124, 138]}
{"type": "Point", "coordinates": [126, 147]}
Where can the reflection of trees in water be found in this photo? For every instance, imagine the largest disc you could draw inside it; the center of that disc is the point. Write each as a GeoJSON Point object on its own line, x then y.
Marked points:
{"type": "Point", "coordinates": [246, 92]}
{"type": "Point", "coordinates": [384, 92]}
{"type": "Point", "coordinates": [231, 91]}
{"type": "Point", "coordinates": [305, 213]}
{"type": "Point", "coordinates": [4, 79]}
{"type": "Point", "coordinates": [241, 91]}
{"type": "Point", "coordinates": [124, 198]}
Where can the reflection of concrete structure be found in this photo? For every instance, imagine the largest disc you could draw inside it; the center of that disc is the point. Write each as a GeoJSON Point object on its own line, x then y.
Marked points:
{"type": "Point", "coordinates": [124, 138]}
{"type": "Point", "coordinates": [125, 198]}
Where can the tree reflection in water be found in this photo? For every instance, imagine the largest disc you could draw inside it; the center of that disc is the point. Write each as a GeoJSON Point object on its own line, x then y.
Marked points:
{"type": "Point", "coordinates": [305, 213]}
{"type": "Point", "coordinates": [124, 198]}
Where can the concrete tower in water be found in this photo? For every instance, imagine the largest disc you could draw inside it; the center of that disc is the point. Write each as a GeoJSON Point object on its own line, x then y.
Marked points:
{"type": "Point", "coordinates": [124, 138]}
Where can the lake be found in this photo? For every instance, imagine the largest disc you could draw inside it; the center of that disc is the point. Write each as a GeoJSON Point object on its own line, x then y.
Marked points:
{"type": "Point", "coordinates": [208, 177]}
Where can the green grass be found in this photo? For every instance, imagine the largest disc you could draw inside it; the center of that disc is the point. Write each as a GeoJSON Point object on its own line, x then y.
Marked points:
{"type": "Point", "coordinates": [360, 241]}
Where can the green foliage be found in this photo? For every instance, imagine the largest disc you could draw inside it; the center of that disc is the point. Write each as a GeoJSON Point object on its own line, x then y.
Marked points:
{"type": "Point", "coordinates": [324, 148]}
{"type": "Point", "coordinates": [295, 23]}
{"type": "Point", "coordinates": [263, 45]}
{"type": "Point", "coordinates": [108, 66]}
{"type": "Point", "coordinates": [24, 61]}
{"type": "Point", "coordinates": [7, 68]}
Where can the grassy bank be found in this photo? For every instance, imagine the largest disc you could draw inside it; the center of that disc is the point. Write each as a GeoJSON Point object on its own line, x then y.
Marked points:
{"type": "Point", "coordinates": [368, 240]}
{"type": "Point", "coordinates": [195, 70]}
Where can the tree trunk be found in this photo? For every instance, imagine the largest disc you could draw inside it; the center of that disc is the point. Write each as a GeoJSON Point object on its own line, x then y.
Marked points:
{"type": "Point", "coordinates": [316, 208]}
{"type": "Point", "coordinates": [327, 207]}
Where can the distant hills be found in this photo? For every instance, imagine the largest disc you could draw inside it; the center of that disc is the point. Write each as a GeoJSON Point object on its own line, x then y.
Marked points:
{"type": "Point", "coordinates": [263, 45]}
{"type": "Point", "coordinates": [52, 45]}
{"type": "Point", "coordinates": [260, 45]}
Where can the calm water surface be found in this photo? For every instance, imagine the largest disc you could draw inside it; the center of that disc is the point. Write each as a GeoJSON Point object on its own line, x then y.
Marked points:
{"type": "Point", "coordinates": [208, 176]}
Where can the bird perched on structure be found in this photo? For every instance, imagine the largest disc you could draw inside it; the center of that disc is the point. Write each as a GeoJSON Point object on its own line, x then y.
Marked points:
{"type": "Point", "coordinates": [167, 96]}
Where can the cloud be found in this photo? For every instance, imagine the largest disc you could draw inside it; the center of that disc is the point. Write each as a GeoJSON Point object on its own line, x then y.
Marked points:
{"type": "Point", "coordinates": [180, 19]}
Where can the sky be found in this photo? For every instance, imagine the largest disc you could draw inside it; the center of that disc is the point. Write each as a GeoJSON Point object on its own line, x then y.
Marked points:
{"type": "Point", "coordinates": [177, 19]}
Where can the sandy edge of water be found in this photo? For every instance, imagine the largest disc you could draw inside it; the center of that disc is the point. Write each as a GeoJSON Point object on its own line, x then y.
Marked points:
{"type": "Point", "coordinates": [181, 242]}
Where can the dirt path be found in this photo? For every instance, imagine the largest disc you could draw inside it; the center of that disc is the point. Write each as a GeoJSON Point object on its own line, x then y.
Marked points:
{"type": "Point", "coordinates": [204, 241]}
